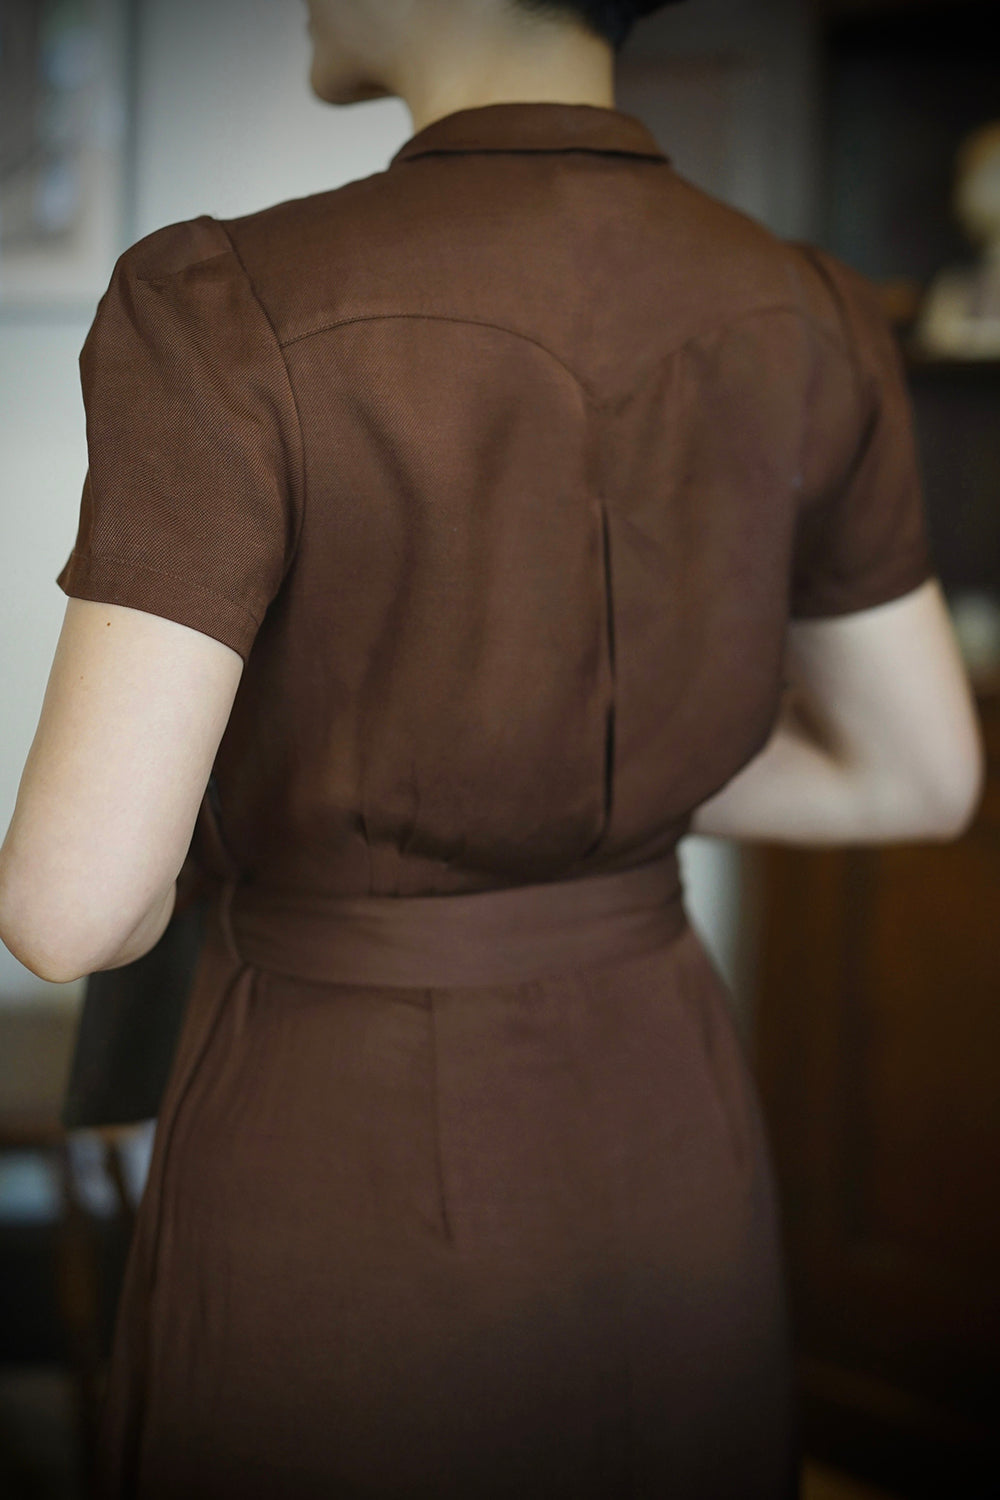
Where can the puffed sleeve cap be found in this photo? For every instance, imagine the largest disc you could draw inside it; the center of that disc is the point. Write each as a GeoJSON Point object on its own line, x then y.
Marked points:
{"type": "Point", "coordinates": [861, 538]}
{"type": "Point", "coordinates": [192, 500]}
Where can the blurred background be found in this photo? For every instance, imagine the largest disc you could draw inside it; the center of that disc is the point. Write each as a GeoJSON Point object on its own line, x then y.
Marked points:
{"type": "Point", "coordinates": [865, 982]}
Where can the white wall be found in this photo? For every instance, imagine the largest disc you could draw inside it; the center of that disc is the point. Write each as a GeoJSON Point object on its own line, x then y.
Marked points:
{"type": "Point", "coordinates": [226, 124]}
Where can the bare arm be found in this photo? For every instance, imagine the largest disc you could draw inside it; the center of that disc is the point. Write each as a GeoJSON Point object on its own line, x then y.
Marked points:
{"type": "Point", "coordinates": [878, 739]}
{"type": "Point", "coordinates": [796, 791]}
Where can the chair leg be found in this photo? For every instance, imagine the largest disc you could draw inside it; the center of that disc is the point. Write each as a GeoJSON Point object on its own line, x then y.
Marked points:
{"type": "Point", "coordinates": [17, 1481]}
{"type": "Point", "coordinates": [113, 1167]}
{"type": "Point", "coordinates": [78, 1296]}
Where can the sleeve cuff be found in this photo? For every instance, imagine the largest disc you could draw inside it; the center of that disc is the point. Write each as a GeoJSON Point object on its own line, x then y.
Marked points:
{"type": "Point", "coordinates": [114, 580]}
{"type": "Point", "coordinates": [851, 597]}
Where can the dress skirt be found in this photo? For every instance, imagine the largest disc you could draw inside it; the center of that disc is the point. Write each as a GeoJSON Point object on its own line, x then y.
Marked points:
{"type": "Point", "coordinates": [514, 1239]}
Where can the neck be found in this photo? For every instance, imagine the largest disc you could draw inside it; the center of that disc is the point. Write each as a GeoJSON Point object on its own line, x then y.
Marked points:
{"type": "Point", "coordinates": [556, 65]}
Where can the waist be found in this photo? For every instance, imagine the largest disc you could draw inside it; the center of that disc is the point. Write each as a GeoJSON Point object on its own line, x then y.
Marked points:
{"type": "Point", "coordinates": [478, 937]}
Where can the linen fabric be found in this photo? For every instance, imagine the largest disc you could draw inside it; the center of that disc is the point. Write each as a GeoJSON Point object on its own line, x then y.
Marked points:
{"type": "Point", "coordinates": [503, 470]}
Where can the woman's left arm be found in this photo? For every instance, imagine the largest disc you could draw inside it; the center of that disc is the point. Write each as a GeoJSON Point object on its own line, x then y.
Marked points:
{"type": "Point", "coordinates": [134, 710]}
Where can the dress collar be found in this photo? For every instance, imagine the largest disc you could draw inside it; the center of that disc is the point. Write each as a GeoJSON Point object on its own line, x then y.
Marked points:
{"type": "Point", "coordinates": [536, 125]}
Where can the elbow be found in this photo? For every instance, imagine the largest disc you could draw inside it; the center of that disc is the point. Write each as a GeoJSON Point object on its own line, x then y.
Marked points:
{"type": "Point", "coordinates": [961, 817]}
{"type": "Point", "coordinates": [38, 957]}
{"type": "Point", "coordinates": [42, 964]}
{"type": "Point", "coordinates": [911, 811]}
{"type": "Point", "coordinates": [950, 793]}
{"type": "Point", "coordinates": [56, 975]}
{"type": "Point", "coordinates": [29, 937]}
{"type": "Point", "coordinates": [961, 805]}
{"type": "Point", "coordinates": [61, 937]}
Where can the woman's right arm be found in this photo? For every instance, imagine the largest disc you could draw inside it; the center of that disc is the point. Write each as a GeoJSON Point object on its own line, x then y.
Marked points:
{"type": "Point", "coordinates": [877, 741]}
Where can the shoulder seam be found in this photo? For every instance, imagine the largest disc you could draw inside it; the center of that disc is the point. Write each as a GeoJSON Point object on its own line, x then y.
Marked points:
{"type": "Point", "coordinates": [153, 277]}
{"type": "Point", "coordinates": [816, 260]}
{"type": "Point", "coordinates": [300, 478]}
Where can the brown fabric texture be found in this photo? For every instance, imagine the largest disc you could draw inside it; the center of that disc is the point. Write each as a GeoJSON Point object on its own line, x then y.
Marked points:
{"type": "Point", "coordinates": [503, 470]}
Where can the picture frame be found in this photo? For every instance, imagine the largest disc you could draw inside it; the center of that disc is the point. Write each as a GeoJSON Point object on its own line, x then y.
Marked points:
{"type": "Point", "coordinates": [66, 139]}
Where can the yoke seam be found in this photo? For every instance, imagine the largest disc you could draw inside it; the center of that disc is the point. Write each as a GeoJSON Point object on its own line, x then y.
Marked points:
{"type": "Point", "coordinates": [831, 335]}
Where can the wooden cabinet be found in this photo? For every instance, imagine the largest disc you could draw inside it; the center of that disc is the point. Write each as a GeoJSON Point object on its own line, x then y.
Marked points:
{"type": "Point", "coordinates": [875, 971]}
{"type": "Point", "coordinates": [877, 1050]}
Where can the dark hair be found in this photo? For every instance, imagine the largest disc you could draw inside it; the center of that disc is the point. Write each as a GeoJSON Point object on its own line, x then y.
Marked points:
{"type": "Point", "coordinates": [611, 19]}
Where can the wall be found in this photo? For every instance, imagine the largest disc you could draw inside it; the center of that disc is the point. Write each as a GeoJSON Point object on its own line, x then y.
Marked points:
{"type": "Point", "coordinates": [225, 124]}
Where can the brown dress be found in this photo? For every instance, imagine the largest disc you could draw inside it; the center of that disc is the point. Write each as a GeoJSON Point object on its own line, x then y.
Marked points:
{"type": "Point", "coordinates": [503, 470]}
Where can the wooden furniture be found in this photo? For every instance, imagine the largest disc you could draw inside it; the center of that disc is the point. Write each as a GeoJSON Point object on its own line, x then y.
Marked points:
{"type": "Point", "coordinates": [34, 1051]}
{"type": "Point", "coordinates": [877, 1050]}
{"type": "Point", "coordinates": [875, 971]}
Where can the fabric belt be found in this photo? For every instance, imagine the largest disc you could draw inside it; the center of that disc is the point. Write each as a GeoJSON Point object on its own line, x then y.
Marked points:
{"type": "Point", "coordinates": [468, 938]}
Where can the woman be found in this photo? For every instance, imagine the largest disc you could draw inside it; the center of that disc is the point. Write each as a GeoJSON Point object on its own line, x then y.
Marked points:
{"type": "Point", "coordinates": [484, 525]}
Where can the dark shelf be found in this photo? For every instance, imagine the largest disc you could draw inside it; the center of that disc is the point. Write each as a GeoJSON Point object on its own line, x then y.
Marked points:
{"type": "Point", "coordinates": [934, 28]}
{"type": "Point", "coordinates": [938, 367]}
{"type": "Point", "coordinates": [32, 1330]}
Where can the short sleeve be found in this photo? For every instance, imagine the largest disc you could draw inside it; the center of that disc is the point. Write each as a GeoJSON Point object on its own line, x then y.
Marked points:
{"type": "Point", "coordinates": [862, 539]}
{"type": "Point", "coordinates": [191, 503]}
